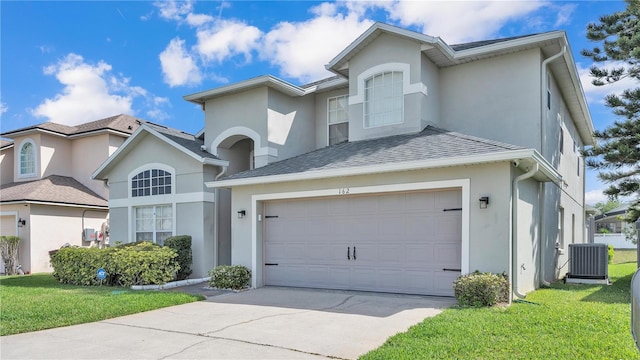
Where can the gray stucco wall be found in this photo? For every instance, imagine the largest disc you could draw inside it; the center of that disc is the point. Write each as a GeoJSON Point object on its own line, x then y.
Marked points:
{"type": "Point", "coordinates": [496, 98]}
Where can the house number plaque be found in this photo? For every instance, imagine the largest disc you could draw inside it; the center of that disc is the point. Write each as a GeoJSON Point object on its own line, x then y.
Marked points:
{"type": "Point", "coordinates": [343, 191]}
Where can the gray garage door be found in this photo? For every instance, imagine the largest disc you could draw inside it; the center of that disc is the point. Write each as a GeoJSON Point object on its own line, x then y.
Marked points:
{"type": "Point", "coordinates": [408, 242]}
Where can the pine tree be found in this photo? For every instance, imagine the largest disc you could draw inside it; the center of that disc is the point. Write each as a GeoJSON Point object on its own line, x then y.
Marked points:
{"type": "Point", "coordinates": [617, 153]}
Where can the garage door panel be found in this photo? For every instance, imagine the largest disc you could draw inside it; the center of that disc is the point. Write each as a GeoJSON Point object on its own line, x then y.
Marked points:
{"type": "Point", "coordinates": [339, 206]}
{"type": "Point", "coordinates": [419, 255]}
{"type": "Point", "coordinates": [403, 242]}
{"type": "Point", "coordinates": [443, 282]}
{"type": "Point", "coordinates": [339, 227]}
{"type": "Point", "coordinates": [448, 199]}
{"type": "Point", "coordinates": [419, 227]}
{"type": "Point", "coordinates": [340, 278]}
{"type": "Point", "coordinates": [392, 203]}
{"type": "Point", "coordinates": [392, 226]}
{"type": "Point", "coordinates": [365, 228]}
{"type": "Point", "coordinates": [449, 228]}
{"type": "Point", "coordinates": [363, 278]}
{"type": "Point", "coordinates": [418, 282]}
{"type": "Point", "coordinates": [365, 205]}
{"type": "Point", "coordinates": [286, 275]}
{"type": "Point", "coordinates": [390, 280]}
{"type": "Point", "coordinates": [420, 201]}
{"type": "Point", "coordinates": [446, 254]}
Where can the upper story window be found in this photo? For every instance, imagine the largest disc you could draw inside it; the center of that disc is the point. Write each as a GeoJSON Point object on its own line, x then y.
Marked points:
{"type": "Point", "coordinates": [383, 99]}
{"type": "Point", "coordinates": [28, 158]}
{"type": "Point", "coordinates": [338, 119]}
{"type": "Point", "coordinates": [151, 182]}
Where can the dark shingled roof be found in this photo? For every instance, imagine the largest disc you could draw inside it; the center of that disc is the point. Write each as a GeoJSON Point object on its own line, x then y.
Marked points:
{"type": "Point", "coordinates": [53, 188]}
{"type": "Point", "coordinates": [185, 140]}
{"type": "Point", "coordinates": [432, 143]}
{"type": "Point", "coordinates": [123, 123]}
{"type": "Point", "coordinates": [475, 44]}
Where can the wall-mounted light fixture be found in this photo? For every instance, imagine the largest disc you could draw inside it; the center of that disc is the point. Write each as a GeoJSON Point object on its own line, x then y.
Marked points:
{"type": "Point", "coordinates": [484, 202]}
{"type": "Point", "coordinates": [22, 222]}
{"type": "Point", "coordinates": [242, 213]}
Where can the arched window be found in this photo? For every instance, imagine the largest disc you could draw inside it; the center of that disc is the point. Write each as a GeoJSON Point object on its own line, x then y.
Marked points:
{"type": "Point", "coordinates": [383, 99]}
{"type": "Point", "coordinates": [28, 158]}
{"type": "Point", "coordinates": [151, 182]}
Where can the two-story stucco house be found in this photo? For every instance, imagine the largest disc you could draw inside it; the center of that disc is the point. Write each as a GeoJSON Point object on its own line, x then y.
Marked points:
{"type": "Point", "coordinates": [47, 196]}
{"type": "Point", "coordinates": [419, 161]}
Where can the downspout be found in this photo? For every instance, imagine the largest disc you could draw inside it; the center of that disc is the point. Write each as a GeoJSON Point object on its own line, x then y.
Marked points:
{"type": "Point", "coordinates": [216, 206]}
{"type": "Point", "coordinates": [515, 194]}
{"type": "Point", "coordinates": [543, 147]}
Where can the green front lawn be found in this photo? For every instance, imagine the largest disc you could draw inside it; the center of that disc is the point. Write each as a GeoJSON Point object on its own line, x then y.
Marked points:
{"type": "Point", "coordinates": [566, 321]}
{"type": "Point", "coordinates": [37, 302]}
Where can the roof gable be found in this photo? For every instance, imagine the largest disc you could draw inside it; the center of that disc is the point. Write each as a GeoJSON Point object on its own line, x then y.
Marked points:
{"type": "Point", "coordinates": [186, 143]}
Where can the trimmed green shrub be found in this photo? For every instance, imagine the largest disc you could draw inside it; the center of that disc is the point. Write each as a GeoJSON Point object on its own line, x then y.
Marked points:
{"type": "Point", "coordinates": [143, 264]}
{"type": "Point", "coordinates": [230, 277]}
{"type": "Point", "coordinates": [610, 253]}
{"type": "Point", "coordinates": [181, 244]}
{"type": "Point", "coordinates": [481, 289]}
{"type": "Point", "coordinates": [137, 264]}
{"type": "Point", "coordinates": [78, 266]}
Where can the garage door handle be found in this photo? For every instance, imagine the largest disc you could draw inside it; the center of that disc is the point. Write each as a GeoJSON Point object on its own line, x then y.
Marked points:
{"type": "Point", "coordinates": [354, 253]}
{"type": "Point", "coordinates": [445, 269]}
{"type": "Point", "coordinates": [348, 253]}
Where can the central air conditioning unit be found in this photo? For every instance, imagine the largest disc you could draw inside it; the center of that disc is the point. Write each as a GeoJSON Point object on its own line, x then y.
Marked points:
{"type": "Point", "coordinates": [588, 264]}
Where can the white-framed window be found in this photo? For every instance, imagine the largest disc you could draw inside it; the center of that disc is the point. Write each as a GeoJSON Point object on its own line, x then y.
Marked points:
{"type": "Point", "coordinates": [27, 160]}
{"type": "Point", "coordinates": [151, 182]}
{"type": "Point", "coordinates": [338, 119]}
{"type": "Point", "coordinates": [383, 99]}
{"type": "Point", "coordinates": [153, 223]}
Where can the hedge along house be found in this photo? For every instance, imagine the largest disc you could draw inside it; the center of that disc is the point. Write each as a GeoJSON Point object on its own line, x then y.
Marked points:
{"type": "Point", "coordinates": [156, 190]}
{"type": "Point", "coordinates": [419, 161]}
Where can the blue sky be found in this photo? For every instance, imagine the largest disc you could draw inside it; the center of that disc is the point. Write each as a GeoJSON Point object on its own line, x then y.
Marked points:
{"type": "Point", "coordinates": [74, 62]}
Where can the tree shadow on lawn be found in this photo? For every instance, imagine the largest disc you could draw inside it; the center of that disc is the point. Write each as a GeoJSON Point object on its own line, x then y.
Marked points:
{"type": "Point", "coordinates": [617, 293]}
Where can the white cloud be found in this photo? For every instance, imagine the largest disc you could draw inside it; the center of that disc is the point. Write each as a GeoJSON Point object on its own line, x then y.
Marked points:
{"type": "Point", "coordinates": [198, 19]}
{"type": "Point", "coordinates": [595, 196]}
{"type": "Point", "coordinates": [459, 21]}
{"type": "Point", "coordinates": [226, 39]}
{"type": "Point", "coordinates": [91, 92]}
{"type": "Point", "coordinates": [596, 94]}
{"type": "Point", "coordinates": [86, 95]}
{"type": "Point", "coordinates": [301, 49]}
{"type": "Point", "coordinates": [564, 13]}
{"type": "Point", "coordinates": [3, 108]}
{"type": "Point", "coordinates": [174, 10]}
{"type": "Point", "coordinates": [178, 67]}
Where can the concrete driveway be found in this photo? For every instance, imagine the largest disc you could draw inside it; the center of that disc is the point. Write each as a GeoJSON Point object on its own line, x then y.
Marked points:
{"type": "Point", "coordinates": [265, 323]}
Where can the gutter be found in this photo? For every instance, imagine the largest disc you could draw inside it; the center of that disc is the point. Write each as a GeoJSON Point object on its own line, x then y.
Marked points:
{"type": "Point", "coordinates": [543, 143]}
{"type": "Point", "coordinates": [513, 254]}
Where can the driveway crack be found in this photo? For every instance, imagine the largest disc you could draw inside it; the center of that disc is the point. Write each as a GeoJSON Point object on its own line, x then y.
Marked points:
{"type": "Point", "coordinates": [256, 319]}
{"type": "Point", "coordinates": [223, 338]}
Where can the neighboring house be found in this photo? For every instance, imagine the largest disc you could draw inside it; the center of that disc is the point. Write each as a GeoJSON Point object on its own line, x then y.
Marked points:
{"type": "Point", "coordinates": [611, 228]}
{"type": "Point", "coordinates": [47, 196]}
{"type": "Point", "coordinates": [419, 161]}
